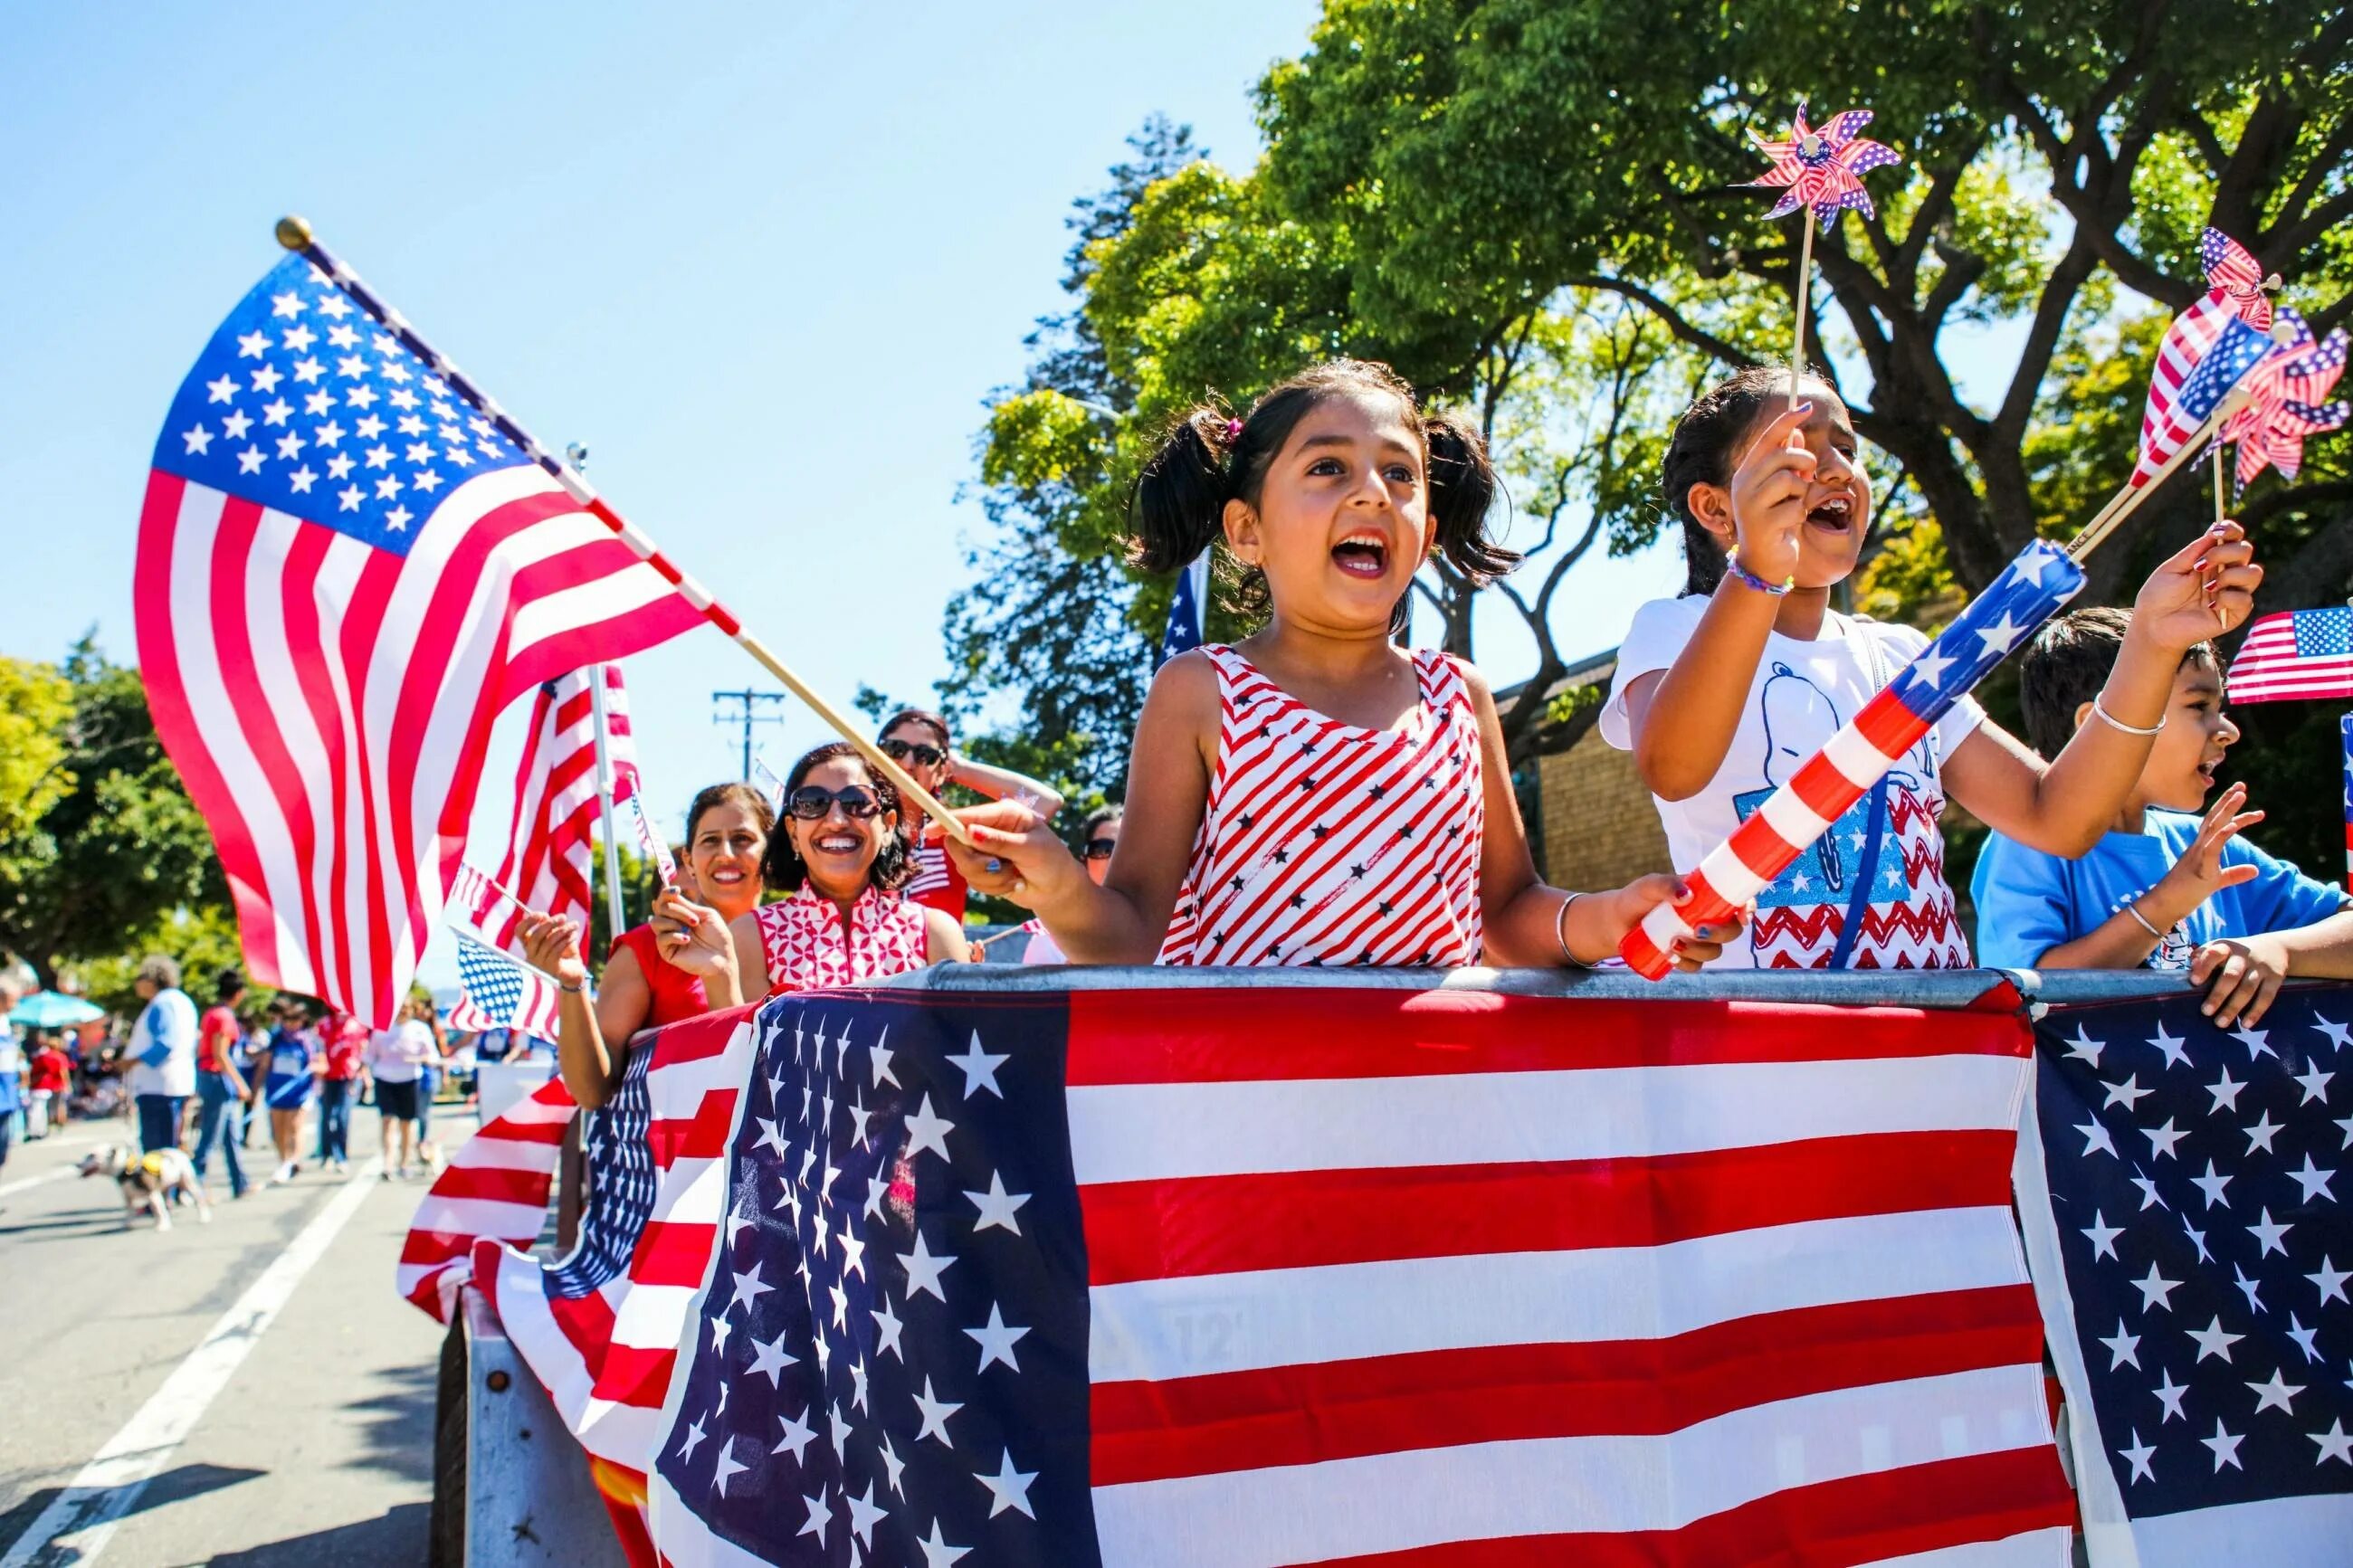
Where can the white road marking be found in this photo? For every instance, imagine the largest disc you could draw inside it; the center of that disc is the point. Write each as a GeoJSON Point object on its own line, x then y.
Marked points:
{"type": "Point", "coordinates": [75, 1527]}
{"type": "Point", "coordinates": [10, 1188]}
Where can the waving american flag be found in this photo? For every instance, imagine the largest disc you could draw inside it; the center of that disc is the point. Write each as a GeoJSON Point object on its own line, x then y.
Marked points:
{"type": "Point", "coordinates": [347, 567]}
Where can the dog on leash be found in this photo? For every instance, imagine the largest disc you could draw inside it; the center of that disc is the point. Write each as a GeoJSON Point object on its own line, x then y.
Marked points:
{"type": "Point", "coordinates": [149, 1181]}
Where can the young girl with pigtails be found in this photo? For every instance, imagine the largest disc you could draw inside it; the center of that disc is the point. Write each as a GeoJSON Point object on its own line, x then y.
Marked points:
{"type": "Point", "coordinates": [1314, 794]}
{"type": "Point", "coordinates": [1723, 692]}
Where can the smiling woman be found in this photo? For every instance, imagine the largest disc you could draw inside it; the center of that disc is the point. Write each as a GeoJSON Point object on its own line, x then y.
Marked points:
{"type": "Point", "coordinates": [839, 852]}
{"type": "Point", "coordinates": [679, 964]}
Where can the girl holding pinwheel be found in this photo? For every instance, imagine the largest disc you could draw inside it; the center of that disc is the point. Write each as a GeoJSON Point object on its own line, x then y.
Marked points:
{"type": "Point", "coordinates": [1721, 692]}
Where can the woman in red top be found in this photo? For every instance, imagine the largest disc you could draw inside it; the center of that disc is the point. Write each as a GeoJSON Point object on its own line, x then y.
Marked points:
{"type": "Point", "coordinates": [677, 965]}
{"type": "Point", "coordinates": [917, 739]}
{"type": "Point", "coordinates": [839, 854]}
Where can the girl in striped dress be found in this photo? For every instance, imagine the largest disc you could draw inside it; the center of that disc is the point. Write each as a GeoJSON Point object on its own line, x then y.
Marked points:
{"type": "Point", "coordinates": [1314, 794]}
{"type": "Point", "coordinates": [837, 850]}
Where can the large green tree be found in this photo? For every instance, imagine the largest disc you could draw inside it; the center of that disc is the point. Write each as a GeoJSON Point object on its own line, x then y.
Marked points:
{"type": "Point", "coordinates": [116, 853]}
{"type": "Point", "coordinates": [1537, 210]}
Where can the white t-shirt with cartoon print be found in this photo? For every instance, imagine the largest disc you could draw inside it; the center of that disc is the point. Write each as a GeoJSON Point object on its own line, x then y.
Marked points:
{"type": "Point", "coordinates": [1883, 860]}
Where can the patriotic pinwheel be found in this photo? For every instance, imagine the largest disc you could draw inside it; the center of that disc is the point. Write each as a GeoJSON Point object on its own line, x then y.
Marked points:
{"type": "Point", "coordinates": [2284, 405]}
{"type": "Point", "coordinates": [2233, 270]}
{"type": "Point", "coordinates": [1823, 169]}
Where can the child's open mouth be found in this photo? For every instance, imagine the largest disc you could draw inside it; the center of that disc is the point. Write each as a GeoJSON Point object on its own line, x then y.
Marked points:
{"type": "Point", "coordinates": [1361, 555]}
{"type": "Point", "coordinates": [1835, 515]}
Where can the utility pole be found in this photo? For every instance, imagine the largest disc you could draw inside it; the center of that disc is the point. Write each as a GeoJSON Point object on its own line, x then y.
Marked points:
{"type": "Point", "coordinates": [746, 711]}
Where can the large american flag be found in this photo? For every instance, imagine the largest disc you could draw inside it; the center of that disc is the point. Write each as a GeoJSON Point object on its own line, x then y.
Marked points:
{"type": "Point", "coordinates": [2028, 591]}
{"type": "Point", "coordinates": [346, 568]}
{"type": "Point", "coordinates": [2180, 1198]}
{"type": "Point", "coordinates": [1261, 1274]}
{"type": "Point", "coordinates": [547, 865]}
{"type": "Point", "coordinates": [2296, 655]}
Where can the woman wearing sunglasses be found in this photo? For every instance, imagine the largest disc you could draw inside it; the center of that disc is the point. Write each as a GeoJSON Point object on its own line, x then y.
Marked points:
{"type": "Point", "coordinates": [917, 739]}
{"type": "Point", "coordinates": [679, 964]}
{"type": "Point", "coordinates": [837, 851]}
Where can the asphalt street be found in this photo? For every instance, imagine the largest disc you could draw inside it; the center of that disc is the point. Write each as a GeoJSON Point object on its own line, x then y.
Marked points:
{"type": "Point", "coordinates": [248, 1391]}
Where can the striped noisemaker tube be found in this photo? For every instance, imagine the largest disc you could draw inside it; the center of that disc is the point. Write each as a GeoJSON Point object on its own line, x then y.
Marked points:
{"type": "Point", "coordinates": [2028, 591]}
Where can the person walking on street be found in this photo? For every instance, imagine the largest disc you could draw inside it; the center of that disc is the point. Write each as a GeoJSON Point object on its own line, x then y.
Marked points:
{"type": "Point", "coordinates": [12, 1066]}
{"type": "Point", "coordinates": [253, 1061]}
{"type": "Point", "coordinates": [395, 1060]}
{"type": "Point", "coordinates": [163, 1053]}
{"type": "Point", "coordinates": [428, 1079]}
{"type": "Point", "coordinates": [220, 1085]}
{"type": "Point", "coordinates": [49, 1084]}
{"type": "Point", "coordinates": [293, 1069]}
{"type": "Point", "coordinates": [339, 1073]}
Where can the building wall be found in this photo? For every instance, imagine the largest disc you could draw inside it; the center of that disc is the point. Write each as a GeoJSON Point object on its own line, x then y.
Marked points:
{"type": "Point", "coordinates": [1600, 829]}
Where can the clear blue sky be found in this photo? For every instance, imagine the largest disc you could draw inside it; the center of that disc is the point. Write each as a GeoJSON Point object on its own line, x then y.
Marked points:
{"type": "Point", "coordinates": [766, 263]}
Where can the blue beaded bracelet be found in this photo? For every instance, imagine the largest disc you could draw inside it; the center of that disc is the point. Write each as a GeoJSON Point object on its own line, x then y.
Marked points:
{"type": "Point", "coordinates": [1731, 564]}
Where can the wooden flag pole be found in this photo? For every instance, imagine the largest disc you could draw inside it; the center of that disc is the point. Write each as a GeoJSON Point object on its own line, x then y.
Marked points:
{"type": "Point", "coordinates": [1805, 298]}
{"type": "Point", "coordinates": [295, 235]}
{"type": "Point", "coordinates": [2128, 500]}
{"type": "Point", "coordinates": [2218, 513]}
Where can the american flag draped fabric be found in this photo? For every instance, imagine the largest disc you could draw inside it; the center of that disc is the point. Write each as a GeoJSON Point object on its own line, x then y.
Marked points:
{"type": "Point", "coordinates": [346, 569]}
{"type": "Point", "coordinates": [500, 993]}
{"type": "Point", "coordinates": [2296, 655]}
{"type": "Point", "coordinates": [1824, 169]}
{"type": "Point", "coordinates": [2230, 268]}
{"type": "Point", "coordinates": [2284, 399]}
{"type": "Point", "coordinates": [549, 847]}
{"type": "Point", "coordinates": [2180, 1197]}
{"type": "Point", "coordinates": [2028, 591]}
{"type": "Point", "coordinates": [1251, 1274]}
{"type": "Point", "coordinates": [494, 1189]}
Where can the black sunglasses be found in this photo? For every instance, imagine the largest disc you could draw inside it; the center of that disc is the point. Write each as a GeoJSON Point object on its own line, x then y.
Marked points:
{"type": "Point", "coordinates": [923, 755]}
{"type": "Point", "coordinates": [810, 803]}
{"type": "Point", "coordinates": [1101, 848]}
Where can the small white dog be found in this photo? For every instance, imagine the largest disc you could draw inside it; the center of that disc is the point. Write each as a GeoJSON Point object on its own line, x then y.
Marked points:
{"type": "Point", "coordinates": [148, 1181]}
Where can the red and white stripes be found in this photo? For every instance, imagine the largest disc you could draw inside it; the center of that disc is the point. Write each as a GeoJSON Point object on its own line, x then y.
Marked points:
{"type": "Point", "coordinates": [1462, 1283]}
{"type": "Point", "coordinates": [494, 1187]}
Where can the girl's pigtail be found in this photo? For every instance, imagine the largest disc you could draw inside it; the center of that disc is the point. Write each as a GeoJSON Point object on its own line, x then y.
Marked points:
{"type": "Point", "coordinates": [1461, 491]}
{"type": "Point", "coordinates": [1179, 509]}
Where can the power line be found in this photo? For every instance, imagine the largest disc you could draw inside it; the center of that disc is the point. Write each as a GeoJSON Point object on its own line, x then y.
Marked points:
{"type": "Point", "coordinates": [746, 711]}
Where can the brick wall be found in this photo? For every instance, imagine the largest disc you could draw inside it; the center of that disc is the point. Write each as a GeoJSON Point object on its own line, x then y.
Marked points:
{"type": "Point", "coordinates": [1600, 829]}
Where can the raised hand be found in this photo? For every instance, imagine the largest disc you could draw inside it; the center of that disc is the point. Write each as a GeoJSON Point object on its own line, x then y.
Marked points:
{"type": "Point", "coordinates": [2200, 874]}
{"type": "Point", "coordinates": [691, 936]}
{"type": "Point", "coordinates": [1769, 496]}
{"type": "Point", "coordinates": [552, 944]}
{"type": "Point", "coordinates": [2204, 589]}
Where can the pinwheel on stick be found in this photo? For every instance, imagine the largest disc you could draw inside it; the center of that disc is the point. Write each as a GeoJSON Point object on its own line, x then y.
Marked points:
{"type": "Point", "coordinates": [1820, 170]}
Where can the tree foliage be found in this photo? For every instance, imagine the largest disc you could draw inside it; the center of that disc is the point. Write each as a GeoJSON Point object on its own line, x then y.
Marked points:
{"type": "Point", "coordinates": [1538, 211]}
{"type": "Point", "coordinates": [116, 849]}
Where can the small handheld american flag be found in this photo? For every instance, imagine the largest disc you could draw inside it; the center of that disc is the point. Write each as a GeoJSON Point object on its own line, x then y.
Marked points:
{"type": "Point", "coordinates": [500, 993]}
{"type": "Point", "coordinates": [2296, 655]}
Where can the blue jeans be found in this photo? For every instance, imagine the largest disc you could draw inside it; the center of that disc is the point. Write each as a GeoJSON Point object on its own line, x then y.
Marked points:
{"type": "Point", "coordinates": [334, 1118]}
{"type": "Point", "coordinates": [217, 1116]}
{"type": "Point", "coordinates": [159, 1120]}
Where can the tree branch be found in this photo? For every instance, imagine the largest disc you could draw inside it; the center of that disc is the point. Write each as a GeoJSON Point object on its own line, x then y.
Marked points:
{"type": "Point", "coordinates": [2042, 339]}
{"type": "Point", "coordinates": [1685, 329]}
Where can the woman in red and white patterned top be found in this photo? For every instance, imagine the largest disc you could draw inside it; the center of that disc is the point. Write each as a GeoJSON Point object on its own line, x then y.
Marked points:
{"type": "Point", "coordinates": [1314, 794]}
{"type": "Point", "coordinates": [837, 850]}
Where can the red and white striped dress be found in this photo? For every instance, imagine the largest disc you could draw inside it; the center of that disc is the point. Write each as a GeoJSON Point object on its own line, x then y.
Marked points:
{"type": "Point", "coordinates": [807, 948]}
{"type": "Point", "coordinates": [1325, 844]}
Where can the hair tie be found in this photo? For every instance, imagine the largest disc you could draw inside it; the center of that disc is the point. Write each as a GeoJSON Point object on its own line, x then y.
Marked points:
{"type": "Point", "coordinates": [1233, 432]}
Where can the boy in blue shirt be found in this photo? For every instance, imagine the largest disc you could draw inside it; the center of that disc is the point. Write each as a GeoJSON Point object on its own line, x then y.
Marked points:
{"type": "Point", "coordinates": [2163, 888]}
